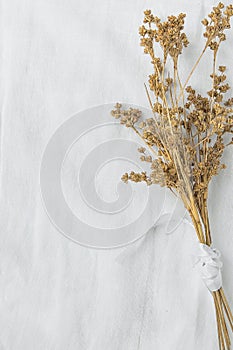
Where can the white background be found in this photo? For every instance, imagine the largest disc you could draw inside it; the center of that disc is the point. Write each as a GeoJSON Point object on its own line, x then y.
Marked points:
{"type": "Point", "coordinates": [58, 58]}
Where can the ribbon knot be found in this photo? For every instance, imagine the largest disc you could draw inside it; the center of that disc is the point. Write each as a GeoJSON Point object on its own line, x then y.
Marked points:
{"type": "Point", "coordinates": [209, 266]}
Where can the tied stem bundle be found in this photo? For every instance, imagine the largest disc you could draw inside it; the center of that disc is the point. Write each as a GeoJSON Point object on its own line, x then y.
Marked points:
{"type": "Point", "coordinates": [188, 132]}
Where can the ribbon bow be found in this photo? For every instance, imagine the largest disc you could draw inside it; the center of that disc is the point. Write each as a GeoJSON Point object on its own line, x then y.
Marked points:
{"type": "Point", "coordinates": [209, 266]}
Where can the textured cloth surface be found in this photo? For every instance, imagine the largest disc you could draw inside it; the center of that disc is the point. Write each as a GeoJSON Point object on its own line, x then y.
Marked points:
{"type": "Point", "coordinates": [58, 58]}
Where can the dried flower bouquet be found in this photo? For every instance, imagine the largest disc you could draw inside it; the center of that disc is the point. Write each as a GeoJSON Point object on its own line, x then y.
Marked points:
{"type": "Point", "coordinates": [186, 137]}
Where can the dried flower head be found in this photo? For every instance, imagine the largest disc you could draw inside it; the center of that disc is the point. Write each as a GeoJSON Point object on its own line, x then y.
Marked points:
{"type": "Point", "coordinates": [187, 135]}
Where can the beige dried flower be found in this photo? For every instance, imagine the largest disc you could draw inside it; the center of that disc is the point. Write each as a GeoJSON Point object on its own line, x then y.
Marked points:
{"type": "Point", "coordinates": [189, 131]}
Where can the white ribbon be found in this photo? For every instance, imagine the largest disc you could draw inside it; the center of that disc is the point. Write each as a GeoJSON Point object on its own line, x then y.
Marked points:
{"type": "Point", "coordinates": [209, 266]}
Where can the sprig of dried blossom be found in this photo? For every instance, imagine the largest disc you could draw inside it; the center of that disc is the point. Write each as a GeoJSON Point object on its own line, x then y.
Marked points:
{"type": "Point", "coordinates": [186, 137]}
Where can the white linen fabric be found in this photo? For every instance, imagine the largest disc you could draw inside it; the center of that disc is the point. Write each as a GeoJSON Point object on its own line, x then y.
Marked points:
{"type": "Point", "coordinates": [58, 58]}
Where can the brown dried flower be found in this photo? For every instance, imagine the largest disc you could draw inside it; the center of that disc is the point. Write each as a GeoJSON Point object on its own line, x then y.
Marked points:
{"type": "Point", "coordinates": [185, 124]}
{"type": "Point", "coordinates": [188, 133]}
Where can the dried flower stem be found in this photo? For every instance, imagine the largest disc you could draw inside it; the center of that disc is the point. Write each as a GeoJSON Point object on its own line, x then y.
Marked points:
{"type": "Point", "coordinates": [193, 69]}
